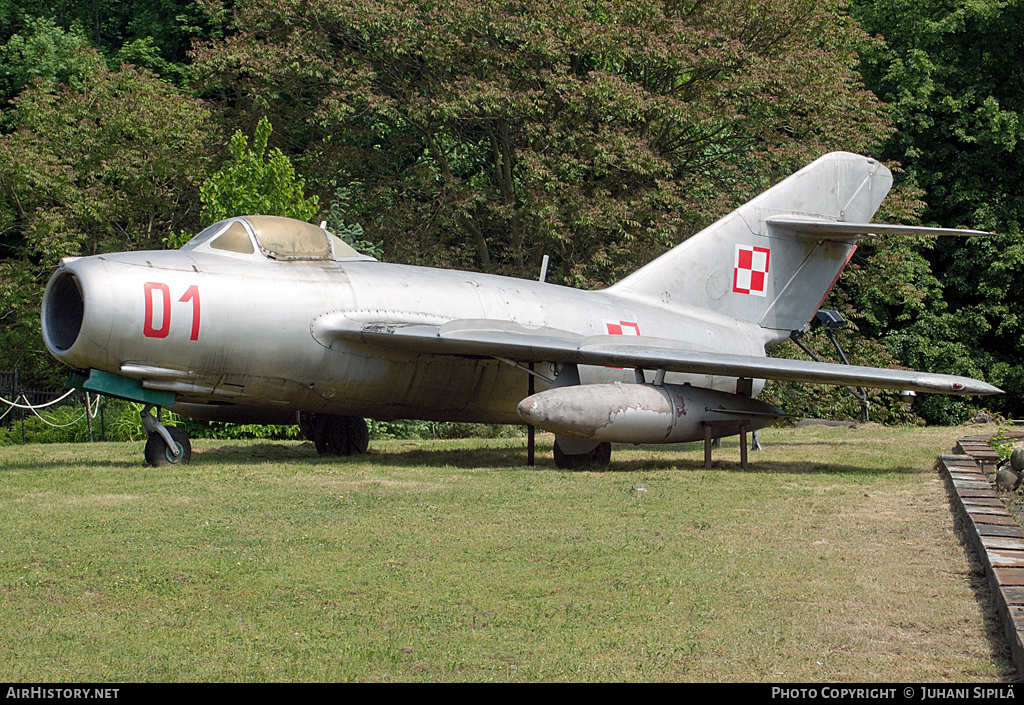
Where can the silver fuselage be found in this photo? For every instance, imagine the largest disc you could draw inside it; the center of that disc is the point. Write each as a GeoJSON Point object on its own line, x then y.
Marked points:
{"type": "Point", "coordinates": [234, 335]}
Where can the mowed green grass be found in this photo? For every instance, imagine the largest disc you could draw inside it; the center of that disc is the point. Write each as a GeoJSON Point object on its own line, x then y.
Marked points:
{"type": "Point", "coordinates": [833, 557]}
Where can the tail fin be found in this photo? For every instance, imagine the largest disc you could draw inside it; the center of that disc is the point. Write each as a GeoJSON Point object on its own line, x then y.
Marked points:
{"type": "Point", "coordinates": [773, 260]}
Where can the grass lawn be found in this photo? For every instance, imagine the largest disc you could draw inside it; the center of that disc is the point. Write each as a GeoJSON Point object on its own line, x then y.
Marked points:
{"type": "Point", "coordinates": [833, 558]}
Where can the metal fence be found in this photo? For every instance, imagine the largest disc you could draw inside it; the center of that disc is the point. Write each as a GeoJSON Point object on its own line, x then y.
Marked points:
{"type": "Point", "coordinates": [12, 392]}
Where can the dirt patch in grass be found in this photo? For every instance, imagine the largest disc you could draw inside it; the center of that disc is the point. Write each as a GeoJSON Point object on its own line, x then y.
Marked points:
{"type": "Point", "coordinates": [914, 591]}
{"type": "Point", "coordinates": [336, 483]}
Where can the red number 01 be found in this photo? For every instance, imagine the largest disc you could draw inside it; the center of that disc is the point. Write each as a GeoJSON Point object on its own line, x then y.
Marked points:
{"type": "Point", "coordinates": [191, 294]}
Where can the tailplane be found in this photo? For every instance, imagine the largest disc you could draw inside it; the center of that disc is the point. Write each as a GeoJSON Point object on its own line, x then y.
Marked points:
{"type": "Point", "coordinates": [773, 260]}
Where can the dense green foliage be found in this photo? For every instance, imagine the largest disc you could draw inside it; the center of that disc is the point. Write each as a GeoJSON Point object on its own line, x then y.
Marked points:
{"type": "Point", "coordinates": [951, 75]}
{"type": "Point", "coordinates": [43, 52]}
{"type": "Point", "coordinates": [156, 34]}
{"type": "Point", "coordinates": [488, 134]}
{"type": "Point", "coordinates": [484, 135]}
{"type": "Point", "coordinates": [255, 182]}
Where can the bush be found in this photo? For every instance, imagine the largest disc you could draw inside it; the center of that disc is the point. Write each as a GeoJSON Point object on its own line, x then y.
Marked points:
{"type": "Point", "coordinates": [413, 429]}
{"type": "Point", "coordinates": [59, 424]}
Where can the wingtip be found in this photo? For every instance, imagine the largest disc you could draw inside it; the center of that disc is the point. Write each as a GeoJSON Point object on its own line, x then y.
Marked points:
{"type": "Point", "coordinates": [948, 384]}
{"type": "Point", "coordinates": [975, 387]}
{"type": "Point", "coordinates": [984, 388]}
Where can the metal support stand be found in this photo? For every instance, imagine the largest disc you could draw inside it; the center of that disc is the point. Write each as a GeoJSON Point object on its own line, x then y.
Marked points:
{"type": "Point", "coordinates": [742, 423]}
{"type": "Point", "coordinates": [831, 321]}
{"type": "Point", "coordinates": [530, 430]}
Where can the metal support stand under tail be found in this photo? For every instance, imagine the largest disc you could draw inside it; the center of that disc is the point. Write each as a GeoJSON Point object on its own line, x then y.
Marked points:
{"type": "Point", "coordinates": [831, 321]}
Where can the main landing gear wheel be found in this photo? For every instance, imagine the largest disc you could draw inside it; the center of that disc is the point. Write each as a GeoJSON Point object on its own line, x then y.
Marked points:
{"type": "Point", "coordinates": [159, 455]}
{"type": "Point", "coordinates": [598, 458]}
{"type": "Point", "coordinates": [340, 435]}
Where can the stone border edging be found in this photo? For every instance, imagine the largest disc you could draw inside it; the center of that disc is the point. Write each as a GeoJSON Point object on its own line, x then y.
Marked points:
{"type": "Point", "coordinates": [997, 539]}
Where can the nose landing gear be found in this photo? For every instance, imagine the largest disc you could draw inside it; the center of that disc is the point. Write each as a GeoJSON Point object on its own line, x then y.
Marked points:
{"type": "Point", "coordinates": [164, 445]}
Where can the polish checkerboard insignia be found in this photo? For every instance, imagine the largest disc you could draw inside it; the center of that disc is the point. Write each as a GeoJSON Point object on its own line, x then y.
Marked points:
{"type": "Point", "coordinates": [623, 328]}
{"type": "Point", "coordinates": [750, 275]}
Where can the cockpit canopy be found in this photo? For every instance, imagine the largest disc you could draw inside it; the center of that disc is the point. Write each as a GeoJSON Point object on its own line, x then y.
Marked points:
{"type": "Point", "coordinates": [276, 238]}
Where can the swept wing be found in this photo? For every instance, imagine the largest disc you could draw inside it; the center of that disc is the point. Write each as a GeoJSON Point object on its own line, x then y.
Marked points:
{"type": "Point", "coordinates": [505, 339]}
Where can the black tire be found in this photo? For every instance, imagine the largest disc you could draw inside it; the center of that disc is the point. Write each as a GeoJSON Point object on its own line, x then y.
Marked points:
{"type": "Point", "coordinates": [322, 425]}
{"type": "Point", "coordinates": [357, 436]}
{"type": "Point", "coordinates": [349, 435]}
{"type": "Point", "coordinates": [602, 455]}
{"type": "Point", "coordinates": [598, 458]}
{"type": "Point", "coordinates": [341, 435]}
{"type": "Point", "coordinates": [159, 455]}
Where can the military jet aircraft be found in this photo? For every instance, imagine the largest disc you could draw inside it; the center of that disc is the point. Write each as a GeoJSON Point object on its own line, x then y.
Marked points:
{"type": "Point", "coordinates": [262, 319]}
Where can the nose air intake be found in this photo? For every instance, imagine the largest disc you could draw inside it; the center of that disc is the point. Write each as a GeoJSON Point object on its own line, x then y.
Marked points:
{"type": "Point", "coordinates": [63, 312]}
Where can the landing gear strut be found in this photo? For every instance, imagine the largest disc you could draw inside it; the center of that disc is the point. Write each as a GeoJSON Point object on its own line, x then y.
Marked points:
{"type": "Point", "coordinates": [336, 435]}
{"type": "Point", "coordinates": [164, 445]}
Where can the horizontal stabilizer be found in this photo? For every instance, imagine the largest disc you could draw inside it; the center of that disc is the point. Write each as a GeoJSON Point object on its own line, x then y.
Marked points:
{"type": "Point", "coordinates": [505, 339]}
{"type": "Point", "coordinates": [817, 228]}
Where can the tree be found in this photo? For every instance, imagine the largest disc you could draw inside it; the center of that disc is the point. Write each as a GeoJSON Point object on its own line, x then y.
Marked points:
{"type": "Point", "coordinates": [110, 25]}
{"type": "Point", "coordinates": [950, 72]}
{"type": "Point", "coordinates": [43, 53]}
{"type": "Point", "coordinates": [112, 164]}
{"type": "Point", "coordinates": [254, 183]}
{"type": "Point", "coordinates": [487, 134]}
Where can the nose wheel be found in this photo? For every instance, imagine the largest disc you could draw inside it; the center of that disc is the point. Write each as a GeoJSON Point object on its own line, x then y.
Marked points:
{"type": "Point", "coordinates": [159, 454]}
{"type": "Point", "coordinates": [164, 445]}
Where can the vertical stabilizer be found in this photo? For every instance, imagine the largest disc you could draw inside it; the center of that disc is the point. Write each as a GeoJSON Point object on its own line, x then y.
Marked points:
{"type": "Point", "coordinates": [775, 275]}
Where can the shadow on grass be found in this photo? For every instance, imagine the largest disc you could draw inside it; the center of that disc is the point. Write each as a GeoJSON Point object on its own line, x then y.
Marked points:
{"type": "Point", "coordinates": [759, 468]}
{"type": "Point", "coordinates": [509, 455]}
{"type": "Point", "coordinates": [493, 458]}
{"type": "Point", "coordinates": [83, 464]}
{"type": "Point", "coordinates": [514, 458]}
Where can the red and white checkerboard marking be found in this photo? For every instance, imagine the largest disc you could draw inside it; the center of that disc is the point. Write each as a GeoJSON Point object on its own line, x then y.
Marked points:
{"type": "Point", "coordinates": [623, 328]}
{"type": "Point", "coordinates": [751, 273]}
